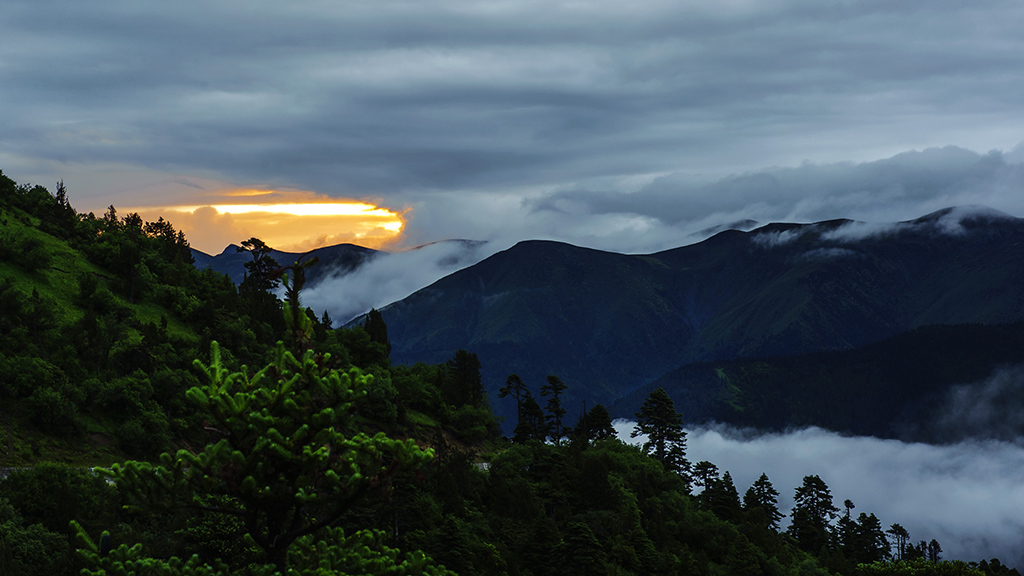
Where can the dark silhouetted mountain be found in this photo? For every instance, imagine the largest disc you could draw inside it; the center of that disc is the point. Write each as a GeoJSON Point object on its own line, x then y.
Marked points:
{"type": "Point", "coordinates": [610, 323]}
{"type": "Point", "coordinates": [334, 261]}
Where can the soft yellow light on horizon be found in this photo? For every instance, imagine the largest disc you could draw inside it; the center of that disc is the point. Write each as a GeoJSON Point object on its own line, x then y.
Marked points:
{"type": "Point", "coordinates": [290, 226]}
{"type": "Point", "coordinates": [295, 209]}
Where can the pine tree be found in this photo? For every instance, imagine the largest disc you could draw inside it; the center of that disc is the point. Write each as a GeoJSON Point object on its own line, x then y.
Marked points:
{"type": "Point", "coordinates": [259, 271]}
{"type": "Point", "coordinates": [812, 512]}
{"type": "Point", "coordinates": [934, 551]}
{"type": "Point", "coordinates": [666, 439]}
{"type": "Point", "coordinates": [723, 499]}
{"type": "Point", "coordinates": [763, 496]}
{"type": "Point", "coordinates": [463, 384]}
{"type": "Point", "coordinates": [870, 544]}
{"type": "Point", "coordinates": [556, 412]}
{"type": "Point", "coordinates": [900, 538]}
{"type": "Point", "coordinates": [377, 329]}
{"type": "Point", "coordinates": [515, 387]}
{"type": "Point", "coordinates": [580, 552]}
{"type": "Point", "coordinates": [285, 457]}
{"type": "Point", "coordinates": [594, 425]}
{"type": "Point", "coordinates": [532, 425]}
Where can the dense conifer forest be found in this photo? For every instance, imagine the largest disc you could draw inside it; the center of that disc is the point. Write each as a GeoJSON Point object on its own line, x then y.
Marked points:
{"type": "Point", "coordinates": [158, 419]}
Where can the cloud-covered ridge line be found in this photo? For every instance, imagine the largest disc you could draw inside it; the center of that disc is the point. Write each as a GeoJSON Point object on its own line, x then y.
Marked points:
{"type": "Point", "coordinates": [389, 277]}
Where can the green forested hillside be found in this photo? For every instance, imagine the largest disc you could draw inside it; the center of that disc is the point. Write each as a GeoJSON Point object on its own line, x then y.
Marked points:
{"type": "Point", "coordinates": [290, 448]}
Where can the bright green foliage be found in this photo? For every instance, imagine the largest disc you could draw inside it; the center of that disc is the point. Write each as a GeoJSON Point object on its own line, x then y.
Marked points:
{"type": "Point", "coordinates": [918, 568]}
{"type": "Point", "coordinates": [332, 554]}
{"type": "Point", "coordinates": [284, 453]}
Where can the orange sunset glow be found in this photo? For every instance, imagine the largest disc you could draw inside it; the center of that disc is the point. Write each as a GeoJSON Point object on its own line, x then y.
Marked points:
{"type": "Point", "coordinates": [291, 221]}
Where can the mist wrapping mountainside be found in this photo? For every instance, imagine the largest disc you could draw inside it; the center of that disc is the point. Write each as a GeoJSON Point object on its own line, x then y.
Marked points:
{"type": "Point", "coordinates": [335, 260]}
{"type": "Point", "coordinates": [967, 494]}
{"type": "Point", "coordinates": [609, 323]}
{"type": "Point", "coordinates": [348, 280]}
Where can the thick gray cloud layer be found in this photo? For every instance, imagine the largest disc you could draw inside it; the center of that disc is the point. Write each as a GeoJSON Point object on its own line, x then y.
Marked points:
{"type": "Point", "coordinates": [625, 117]}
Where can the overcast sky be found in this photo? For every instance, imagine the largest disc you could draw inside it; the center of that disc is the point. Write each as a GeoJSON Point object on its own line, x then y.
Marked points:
{"type": "Point", "coordinates": [619, 125]}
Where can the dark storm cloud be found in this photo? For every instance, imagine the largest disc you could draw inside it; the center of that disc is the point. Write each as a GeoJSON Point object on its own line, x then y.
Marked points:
{"type": "Point", "coordinates": [568, 106]}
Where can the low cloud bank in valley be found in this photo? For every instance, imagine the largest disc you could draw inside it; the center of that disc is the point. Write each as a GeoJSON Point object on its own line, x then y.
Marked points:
{"type": "Point", "coordinates": [968, 495]}
{"type": "Point", "coordinates": [392, 276]}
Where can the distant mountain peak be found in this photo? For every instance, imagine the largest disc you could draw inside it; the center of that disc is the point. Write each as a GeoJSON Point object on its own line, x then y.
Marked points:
{"type": "Point", "coordinates": [464, 242]}
{"type": "Point", "coordinates": [743, 225]}
{"type": "Point", "coordinates": [970, 212]}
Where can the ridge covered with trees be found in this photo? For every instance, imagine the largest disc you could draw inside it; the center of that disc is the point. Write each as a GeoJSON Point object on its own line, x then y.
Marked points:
{"type": "Point", "coordinates": [240, 434]}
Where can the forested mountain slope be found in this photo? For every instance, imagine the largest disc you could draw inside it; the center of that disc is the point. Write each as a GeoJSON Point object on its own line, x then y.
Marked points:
{"type": "Point", "coordinates": [921, 385]}
{"type": "Point", "coordinates": [609, 323]}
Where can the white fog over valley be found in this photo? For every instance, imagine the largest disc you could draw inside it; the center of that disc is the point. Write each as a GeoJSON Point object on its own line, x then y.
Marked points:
{"type": "Point", "coordinates": [969, 495]}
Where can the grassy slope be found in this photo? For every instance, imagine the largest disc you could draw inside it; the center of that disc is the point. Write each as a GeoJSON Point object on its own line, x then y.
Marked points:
{"type": "Point", "coordinates": [21, 444]}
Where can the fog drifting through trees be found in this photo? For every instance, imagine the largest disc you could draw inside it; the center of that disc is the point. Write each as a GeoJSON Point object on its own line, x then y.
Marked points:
{"type": "Point", "coordinates": [969, 496]}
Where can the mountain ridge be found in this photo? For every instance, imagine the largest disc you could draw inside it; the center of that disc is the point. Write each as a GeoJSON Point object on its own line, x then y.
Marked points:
{"type": "Point", "coordinates": [608, 323]}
